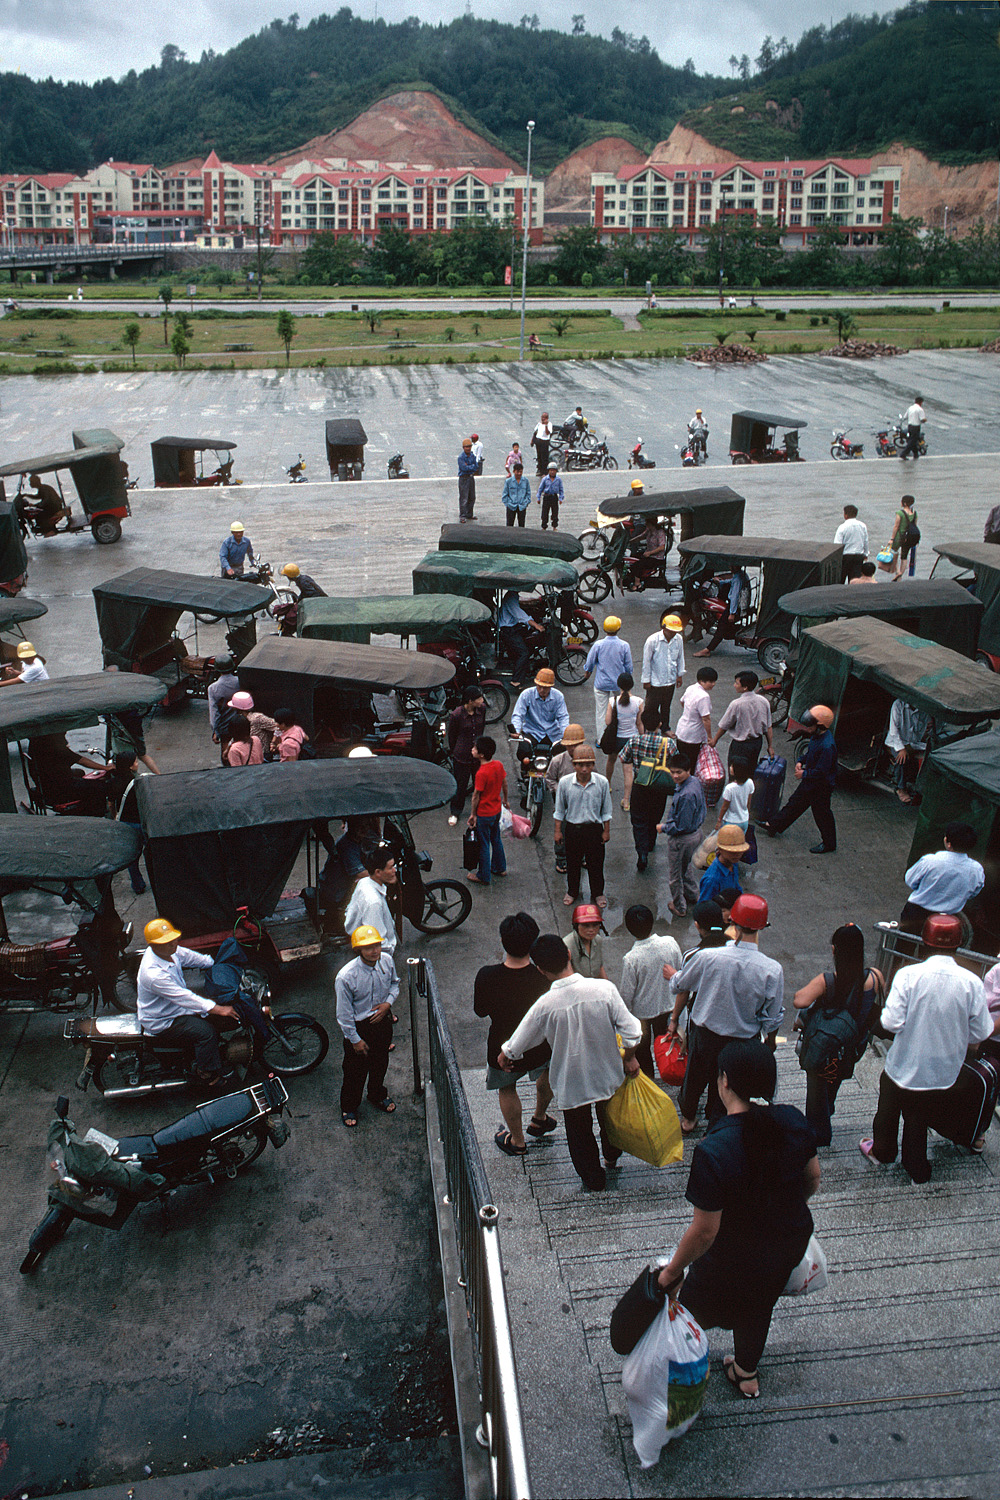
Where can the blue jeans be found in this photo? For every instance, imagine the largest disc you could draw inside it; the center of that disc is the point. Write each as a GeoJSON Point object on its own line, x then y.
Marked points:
{"type": "Point", "coordinates": [490, 847]}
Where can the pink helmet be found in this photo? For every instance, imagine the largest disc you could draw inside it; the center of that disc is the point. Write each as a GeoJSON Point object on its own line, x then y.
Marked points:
{"type": "Point", "coordinates": [242, 702]}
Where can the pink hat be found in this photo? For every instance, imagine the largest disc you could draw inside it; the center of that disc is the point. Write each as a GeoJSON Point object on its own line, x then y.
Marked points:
{"type": "Point", "coordinates": [242, 702]}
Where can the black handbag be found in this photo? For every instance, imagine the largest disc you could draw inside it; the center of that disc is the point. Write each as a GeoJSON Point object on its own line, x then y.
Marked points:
{"type": "Point", "coordinates": [636, 1310]}
{"type": "Point", "coordinates": [470, 849]}
{"type": "Point", "coordinates": [609, 739]}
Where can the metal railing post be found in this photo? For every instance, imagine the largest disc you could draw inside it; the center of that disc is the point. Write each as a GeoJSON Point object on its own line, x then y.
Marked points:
{"type": "Point", "coordinates": [416, 978]}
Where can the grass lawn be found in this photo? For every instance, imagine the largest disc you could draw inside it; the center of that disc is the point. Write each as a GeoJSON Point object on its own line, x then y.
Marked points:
{"type": "Point", "coordinates": [75, 337]}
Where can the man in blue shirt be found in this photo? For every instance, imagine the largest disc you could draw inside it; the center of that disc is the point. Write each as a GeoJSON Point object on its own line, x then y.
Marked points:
{"type": "Point", "coordinates": [515, 625]}
{"type": "Point", "coordinates": [468, 468]}
{"type": "Point", "coordinates": [540, 715]}
{"type": "Point", "coordinates": [945, 881]}
{"type": "Point", "coordinates": [683, 830]}
{"type": "Point", "coordinates": [516, 496]}
{"type": "Point", "coordinates": [607, 659]}
{"type": "Point", "coordinates": [723, 873]}
{"type": "Point", "coordinates": [235, 550]}
{"type": "Point", "coordinates": [817, 776]}
{"type": "Point", "coordinates": [727, 621]}
{"type": "Point", "coordinates": [550, 492]}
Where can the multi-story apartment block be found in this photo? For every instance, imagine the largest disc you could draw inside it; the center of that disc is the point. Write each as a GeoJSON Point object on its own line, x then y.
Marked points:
{"type": "Point", "coordinates": [796, 196]}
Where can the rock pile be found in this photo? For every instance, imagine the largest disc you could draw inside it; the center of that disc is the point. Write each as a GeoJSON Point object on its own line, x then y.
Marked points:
{"type": "Point", "coordinates": [727, 354]}
{"type": "Point", "coordinates": [993, 347]}
{"type": "Point", "coordinates": [863, 349]}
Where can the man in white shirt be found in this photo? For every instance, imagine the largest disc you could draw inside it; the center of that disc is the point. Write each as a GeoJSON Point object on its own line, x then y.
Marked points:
{"type": "Point", "coordinates": [478, 452]}
{"type": "Point", "coordinates": [914, 417]}
{"type": "Point", "coordinates": [644, 987]}
{"type": "Point", "coordinates": [579, 1018]}
{"type": "Point", "coordinates": [368, 906]}
{"type": "Point", "coordinates": [540, 440]}
{"type": "Point", "coordinates": [30, 666]}
{"type": "Point", "coordinates": [938, 1014]}
{"type": "Point", "coordinates": [366, 990]}
{"type": "Point", "coordinates": [852, 535]}
{"type": "Point", "coordinates": [168, 1009]}
{"type": "Point", "coordinates": [906, 741]}
{"type": "Point", "coordinates": [944, 881]}
{"type": "Point", "coordinates": [662, 671]}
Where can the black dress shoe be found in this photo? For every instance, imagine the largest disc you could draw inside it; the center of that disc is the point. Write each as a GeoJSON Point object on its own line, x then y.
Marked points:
{"type": "Point", "coordinates": [642, 861]}
{"type": "Point", "coordinates": [822, 849]}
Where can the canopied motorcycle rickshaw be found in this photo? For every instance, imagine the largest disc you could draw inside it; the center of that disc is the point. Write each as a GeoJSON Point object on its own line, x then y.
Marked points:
{"type": "Point", "coordinates": [772, 567]}
{"type": "Point", "coordinates": [337, 693]}
{"type": "Point", "coordinates": [31, 711]}
{"type": "Point", "coordinates": [345, 447]}
{"type": "Point", "coordinates": [578, 622]}
{"type": "Point", "coordinates": [980, 564]}
{"type": "Point", "coordinates": [859, 667]}
{"type": "Point", "coordinates": [221, 852]}
{"type": "Point", "coordinates": [179, 462]}
{"type": "Point", "coordinates": [625, 526]}
{"type": "Point", "coordinates": [45, 864]}
{"type": "Point", "coordinates": [13, 557]}
{"type": "Point", "coordinates": [753, 438]}
{"type": "Point", "coordinates": [488, 575]}
{"type": "Point", "coordinates": [98, 475]}
{"type": "Point", "coordinates": [138, 614]}
{"type": "Point", "coordinates": [13, 614]}
{"type": "Point", "coordinates": [441, 624]}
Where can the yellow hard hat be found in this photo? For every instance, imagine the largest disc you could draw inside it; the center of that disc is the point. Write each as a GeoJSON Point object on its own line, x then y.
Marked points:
{"type": "Point", "coordinates": [638, 487]}
{"type": "Point", "coordinates": [24, 650]}
{"type": "Point", "coordinates": [291, 570]}
{"type": "Point", "coordinates": [612, 624]}
{"type": "Point", "coordinates": [237, 526]}
{"type": "Point", "coordinates": [545, 677]}
{"type": "Point", "coordinates": [365, 937]}
{"type": "Point", "coordinates": [159, 930]}
{"type": "Point", "coordinates": [672, 622]}
{"type": "Point", "coordinates": [697, 411]}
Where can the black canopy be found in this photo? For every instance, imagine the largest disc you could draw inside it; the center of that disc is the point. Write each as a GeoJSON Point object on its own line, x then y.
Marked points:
{"type": "Point", "coordinates": [938, 609]}
{"type": "Point", "coordinates": [196, 445]}
{"type": "Point", "coordinates": [15, 611]}
{"type": "Point", "coordinates": [770, 419]}
{"type": "Point", "coordinates": [216, 843]}
{"type": "Point", "coordinates": [99, 475]}
{"type": "Point", "coordinates": [984, 560]}
{"type": "Point", "coordinates": [65, 848]}
{"type": "Point", "coordinates": [510, 539]}
{"type": "Point", "coordinates": [345, 432]}
{"type": "Point", "coordinates": [718, 509]}
{"type": "Point", "coordinates": [166, 453]}
{"type": "Point", "coordinates": [787, 565]}
{"type": "Point", "coordinates": [137, 612]}
{"type": "Point", "coordinates": [13, 557]}
{"type": "Point", "coordinates": [49, 462]}
{"type": "Point", "coordinates": [287, 672]}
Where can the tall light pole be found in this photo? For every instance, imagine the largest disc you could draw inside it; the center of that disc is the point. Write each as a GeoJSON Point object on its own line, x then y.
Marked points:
{"type": "Point", "coordinates": [526, 217]}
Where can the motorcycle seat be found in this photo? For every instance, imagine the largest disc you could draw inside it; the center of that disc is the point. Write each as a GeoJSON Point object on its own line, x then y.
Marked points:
{"type": "Point", "coordinates": [207, 1119]}
{"type": "Point", "coordinates": [141, 1146]}
{"type": "Point", "coordinates": [125, 1027]}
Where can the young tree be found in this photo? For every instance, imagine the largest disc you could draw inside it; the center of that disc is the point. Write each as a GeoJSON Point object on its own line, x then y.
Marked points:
{"type": "Point", "coordinates": [560, 324]}
{"type": "Point", "coordinates": [131, 334]}
{"type": "Point", "coordinates": [579, 26]}
{"type": "Point", "coordinates": [180, 346]}
{"type": "Point", "coordinates": [329, 261]}
{"type": "Point", "coordinates": [287, 330]}
{"type": "Point", "coordinates": [373, 318]}
{"type": "Point", "coordinates": [166, 296]}
{"type": "Point", "coordinates": [183, 322]}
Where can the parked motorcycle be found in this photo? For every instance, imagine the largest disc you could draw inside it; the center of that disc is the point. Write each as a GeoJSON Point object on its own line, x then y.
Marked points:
{"type": "Point", "coordinates": [297, 471]}
{"type": "Point", "coordinates": [638, 460]}
{"type": "Point", "coordinates": [101, 1180]}
{"type": "Point", "coordinates": [692, 454]}
{"type": "Point", "coordinates": [68, 973]}
{"type": "Point", "coordinates": [596, 457]}
{"type": "Point", "coordinates": [841, 448]}
{"type": "Point", "coordinates": [891, 440]}
{"type": "Point", "coordinates": [394, 468]}
{"type": "Point", "coordinates": [125, 1063]}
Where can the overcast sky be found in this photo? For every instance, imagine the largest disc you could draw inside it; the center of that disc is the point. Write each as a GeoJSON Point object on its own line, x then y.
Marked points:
{"type": "Point", "coordinates": [90, 39]}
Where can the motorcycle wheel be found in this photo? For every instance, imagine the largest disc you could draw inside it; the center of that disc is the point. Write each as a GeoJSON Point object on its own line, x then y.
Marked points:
{"type": "Point", "coordinates": [497, 701]}
{"type": "Point", "coordinates": [48, 1233]}
{"type": "Point", "coordinates": [772, 656]}
{"type": "Point", "coordinates": [300, 1047]}
{"type": "Point", "coordinates": [583, 627]}
{"type": "Point", "coordinates": [242, 1150]}
{"type": "Point", "coordinates": [610, 463]}
{"type": "Point", "coordinates": [838, 451]}
{"type": "Point", "coordinates": [537, 809]}
{"type": "Point", "coordinates": [593, 542]}
{"type": "Point", "coordinates": [126, 994]}
{"type": "Point", "coordinates": [594, 585]}
{"type": "Point", "coordinates": [779, 710]}
{"type": "Point", "coordinates": [446, 906]}
{"type": "Point", "coordinates": [572, 668]}
{"type": "Point", "coordinates": [106, 530]}
{"type": "Point", "coordinates": [112, 1072]}
{"type": "Point", "coordinates": [740, 458]}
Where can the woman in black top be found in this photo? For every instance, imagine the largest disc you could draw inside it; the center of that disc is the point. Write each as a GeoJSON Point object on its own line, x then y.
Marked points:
{"type": "Point", "coordinates": [750, 1178]}
{"type": "Point", "coordinates": [505, 993]}
{"type": "Point", "coordinates": [852, 987]}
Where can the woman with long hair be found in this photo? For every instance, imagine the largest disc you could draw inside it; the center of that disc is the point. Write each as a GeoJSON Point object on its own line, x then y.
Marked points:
{"type": "Point", "coordinates": [750, 1178]}
{"type": "Point", "coordinates": [624, 721]}
{"type": "Point", "coordinates": [849, 986]}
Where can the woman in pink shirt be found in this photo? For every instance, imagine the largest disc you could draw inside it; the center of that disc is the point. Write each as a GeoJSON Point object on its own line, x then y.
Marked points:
{"type": "Point", "coordinates": [290, 737]}
{"type": "Point", "coordinates": [244, 748]}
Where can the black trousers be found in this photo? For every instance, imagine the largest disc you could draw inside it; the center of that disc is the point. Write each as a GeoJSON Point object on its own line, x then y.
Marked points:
{"type": "Point", "coordinates": [550, 508]}
{"type": "Point", "coordinates": [584, 846]}
{"type": "Point", "coordinates": [913, 917]}
{"type": "Point", "coordinates": [917, 1107]}
{"type": "Point", "coordinates": [514, 516]}
{"type": "Point", "coordinates": [466, 496]}
{"type": "Point", "coordinates": [514, 641]}
{"type": "Point", "coordinates": [815, 795]}
{"type": "Point", "coordinates": [821, 1100]}
{"type": "Point", "coordinates": [743, 1302]}
{"type": "Point", "coordinates": [702, 1072]}
{"type": "Point", "coordinates": [198, 1033]}
{"type": "Point", "coordinates": [646, 807]}
{"type": "Point", "coordinates": [724, 628]}
{"type": "Point", "coordinates": [644, 1052]}
{"type": "Point", "coordinates": [912, 447]}
{"type": "Point", "coordinates": [462, 771]}
{"type": "Point", "coordinates": [542, 455]}
{"type": "Point", "coordinates": [370, 1065]}
{"type": "Point", "coordinates": [748, 750]}
{"type": "Point", "coordinates": [579, 1124]}
{"type": "Point", "coordinates": [656, 708]}
{"type": "Point", "coordinates": [851, 566]}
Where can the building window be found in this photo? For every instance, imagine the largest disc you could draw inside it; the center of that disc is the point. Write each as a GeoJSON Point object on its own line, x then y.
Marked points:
{"type": "Point", "coordinates": [769, 172]}
{"type": "Point", "coordinates": [479, 192]}
{"type": "Point", "coordinates": [795, 219]}
{"type": "Point", "coordinates": [768, 205]}
{"type": "Point", "coordinates": [709, 175]}
{"type": "Point", "coordinates": [797, 172]}
{"type": "Point", "coordinates": [442, 223]}
{"type": "Point", "coordinates": [621, 220]}
{"type": "Point", "coordinates": [366, 192]}
{"type": "Point", "coordinates": [343, 195]}
{"type": "Point", "coordinates": [678, 220]}
{"type": "Point", "coordinates": [859, 203]}
{"type": "Point", "coordinates": [638, 221]}
{"type": "Point", "coordinates": [679, 176]}
{"type": "Point", "coordinates": [746, 203]}
{"type": "Point", "coordinates": [442, 193]}
{"type": "Point", "coordinates": [876, 187]}
{"type": "Point", "coordinates": [895, 202]}
{"type": "Point", "coordinates": [679, 192]}
{"type": "Point", "coordinates": [796, 202]}
{"type": "Point", "coordinates": [418, 223]}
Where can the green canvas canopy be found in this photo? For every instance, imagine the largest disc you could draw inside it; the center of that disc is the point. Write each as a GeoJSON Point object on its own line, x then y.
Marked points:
{"type": "Point", "coordinates": [984, 560]}
{"type": "Point", "coordinates": [960, 783]}
{"type": "Point", "coordinates": [15, 611]}
{"type": "Point", "coordinates": [483, 573]}
{"type": "Point", "coordinates": [520, 540]}
{"type": "Point", "coordinates": [717, 510]}
{"type": "Point", "coordinates": [97, 471]}
{"type": "Point", "coordinates": [64, 848]}
{"type": "Point", "coordinates": [787, 565]}
{"type": "Point", "coordinates": [167, 460]}
{"type": "Point", "coordinates": [423, 615]}
{"type": "Point", "coordinates": [939, 609]}
{"type": "Point", "coordinates": [48, 463]}
{"type": "Point", "coordinates": [137, 612]}
{"type": "Point", "coordinates": [13, 557]}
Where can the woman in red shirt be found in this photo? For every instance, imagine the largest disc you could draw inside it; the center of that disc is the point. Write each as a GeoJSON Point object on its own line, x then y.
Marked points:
{"type": "Point", "coordinates": [289, 739]}
{"type": "Point", "coordinates": [489, 796]}
{"type": "Point", "coordinates": [244, 748]}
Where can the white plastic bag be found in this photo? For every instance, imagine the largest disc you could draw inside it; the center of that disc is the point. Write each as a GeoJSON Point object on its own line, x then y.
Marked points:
{"type": "Point", "coordinates": [810, 1273]}
{"type": "Point", "coordinates": [664, 1380]}
{"type": "Point", "coordinates": [506, 820]}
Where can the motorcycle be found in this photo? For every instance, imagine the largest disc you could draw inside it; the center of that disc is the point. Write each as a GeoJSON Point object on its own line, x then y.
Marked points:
{"type": "Point", "coordinates": [102, 1180]}
{"type": "Point", "coordinates": [638, 460]}
{"type": "Point", "coordinates": [394, 468]}
{"type": "Point", "coordinates": [692, 455]}
{"type": "Point", "coordinates": [531, 770]}
{"type": "Point", "coordinates": [891, 440]}
{"type": "Point", "coordinates": [596, 457]}
{"type": "Point", "coordinates": [297, 472]}
{"type": "Point", "coordinates": [579, 624]}
{"type": "Point", "coordinates": [125, 1063]}
{"type": "Point", "coordinates": [68, 973]}
{"type": "Point", "coordinates": [841, 448]}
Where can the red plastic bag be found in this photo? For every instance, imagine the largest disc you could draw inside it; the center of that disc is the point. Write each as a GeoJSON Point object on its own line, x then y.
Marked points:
{"type": "Point", "coordinates": [710, 773]}
{"type": "Point", "coordinates": [669, 1063]}
{"type": "Point", "coordinates": [520, 827]}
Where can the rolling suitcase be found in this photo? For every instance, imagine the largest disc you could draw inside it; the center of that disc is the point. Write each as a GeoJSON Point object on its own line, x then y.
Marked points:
{"type": "Point", "coordinates": [769, 784]}
{"type": "Point", "coordinates": [967, 1108]}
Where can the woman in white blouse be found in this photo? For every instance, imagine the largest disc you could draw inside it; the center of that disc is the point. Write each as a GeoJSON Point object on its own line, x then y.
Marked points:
{"type": "Point", "coordinates": [625, 713]}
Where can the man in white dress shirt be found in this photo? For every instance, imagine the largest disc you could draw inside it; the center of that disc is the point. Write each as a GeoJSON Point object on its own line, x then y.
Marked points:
{"type": "Point", "coordinates": [368, 906]}
{"type": "Point", "coordinates": [662, 671]}
{"type": "Point", "coordinates": [579, 1018]}
{"type": "Point", "coordinates": [852, 535]}
{"type": "Point", "coordinates": [168, 1009]}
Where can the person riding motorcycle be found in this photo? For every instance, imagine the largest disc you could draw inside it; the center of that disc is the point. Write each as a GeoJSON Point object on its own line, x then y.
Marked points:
{"type": "Point", "coordinates": [515, 627]}
{"type": "Point", "coordinates": [698, 432]}
{"type": "Point", "coordinates": [308, 587]}
{"type": "Point", "coordinates": [575, 425]}
{"type": "Point", "coordinates": [235, 550]}
{"type": "Point", "coordinates": [46, 499]}
{"type": "Point", "coordinates": [168, 1009]}
{"type": "Point", "coordinates": [540, 716]}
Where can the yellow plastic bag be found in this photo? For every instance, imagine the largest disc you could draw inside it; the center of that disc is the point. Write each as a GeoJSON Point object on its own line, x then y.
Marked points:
{"type": "Point", "coordinates": [642, 1121]}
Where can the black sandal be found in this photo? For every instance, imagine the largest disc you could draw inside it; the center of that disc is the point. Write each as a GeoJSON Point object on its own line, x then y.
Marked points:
{"type": "Point", "coordinates": [540, 1129]}
{"type": "Point", "coordinates": [386, 1105]}
{"type": "Point", "coordinates": [739, 1381]}
{"type": "Point", "coordinates": [505, 1141]}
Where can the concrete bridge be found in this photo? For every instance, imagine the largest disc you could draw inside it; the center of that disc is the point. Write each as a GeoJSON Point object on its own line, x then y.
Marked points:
{"type": "Point", "coordinates": [64, 257]}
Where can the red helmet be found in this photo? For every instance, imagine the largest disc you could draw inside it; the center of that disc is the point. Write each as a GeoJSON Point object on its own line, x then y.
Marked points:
{"type": "Point", "coordinates": [943, 931]}
{"type": "Point", "coordinates": [586, 914]}
{"type": "Point", "coordinates": [749, 912]}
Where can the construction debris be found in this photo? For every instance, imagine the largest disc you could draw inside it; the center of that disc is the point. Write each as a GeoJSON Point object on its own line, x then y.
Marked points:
{"type": "Point", "coordinates": [863, 349]}
{"type": "Point", "coordinates": [726, 354]}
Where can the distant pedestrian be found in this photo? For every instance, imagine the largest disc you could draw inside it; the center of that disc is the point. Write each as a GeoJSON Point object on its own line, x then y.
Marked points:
{"type": "Point", "coordinates": [944, 881]}
{"type": "Point", "coordinates": [622, 724]}
{"type": "Point", "coordinates": [643, 987]}
{"type": "Point", "coordinates": [478, 452]}
{"type": "Point", "coordinates": [541, 438]}
{"type": "Point", "coordinates": [30, 666]}
{"type": "Point", "coordinates": [465, 724]}
{"type": "Point", "coordinates": [852, 535]}
{"type": "Point", "coordinates": [816, 771]}
{"type": "Point", "coordinates": [683, 830]}
{"type": "Point", "coordinates": [647, 756]}
{"type": "Point", "coordinates": [468, 468]}
{"type": "Point", "coordinates": [914, 417]}
{"type": "Point", "coordinates": [723, 873]}
{"type": "Point", "coordinates": [868, 573]}
{"type": "Point", "coordinates": [290, 737]}
{"type": "Point", "coordinates": [662, 671]}
{"type": "Point", "coordinates": [606, 659]}
{"type": "Point", "coordinates": [850, 987]}
{"type": "Point", "coordinates": [936, 1011]}
{"type": "Point", "coordinates": [905, 536]}
{"type": "Point", "coordinates": [583, 944]}
{"type": "Point", "coordinates": [694, 727]}
{"type": "Point", "coordinates": [550, 493]}
{"type": "Point", "coordinates": [748, 720]}
{"type": "Point", "coordinates": [516, 496]}
{"type": "Point", "coordinates": [489, 796]}
{"type": "Point", "coordinates": [582, 1020]}
{"type": "Point", "coordinates": [366, 990]}
{"type": "Point", "coordinates": [991, 531]}
{"type": "Point", "coordinates": [583, 823]}
{"type": "Point", "coordinates": [242, 747]}
{"type": "Point", "coordinates": [515, 628]}
{"type": "Point", "coordinates": [515, 459]}
{"type": "Point", "coordinates": [220, 692]}
{"type": "Point", "coordinates": [739, 589]}
{"type": "Point", "coordinates": [504, 993]}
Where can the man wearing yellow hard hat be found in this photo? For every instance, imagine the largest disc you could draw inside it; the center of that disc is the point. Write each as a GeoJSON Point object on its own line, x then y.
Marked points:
{"type": "Point", "coordinates": [30, 667]}
{"type": "Point", "coordinates": [171, 1011]}
{"type": "Point", "coordinates": [308, 587]}
{"type": "Point", "coordinates": [235, 550]}
{"type": "Point", "coordinates": [366, 988]}
{"type": "Point", "coordinates": [662, 671]}
{"type": "Point", "coordinates": [607, 659]}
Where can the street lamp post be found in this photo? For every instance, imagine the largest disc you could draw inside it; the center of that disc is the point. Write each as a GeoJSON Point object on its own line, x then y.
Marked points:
{"type": "Point", "coordinates": [526, 216]}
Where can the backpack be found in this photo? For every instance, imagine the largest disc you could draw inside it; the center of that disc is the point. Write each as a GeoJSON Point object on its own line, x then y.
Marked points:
{"type": "Point", "coordinates": [835, 1040]}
